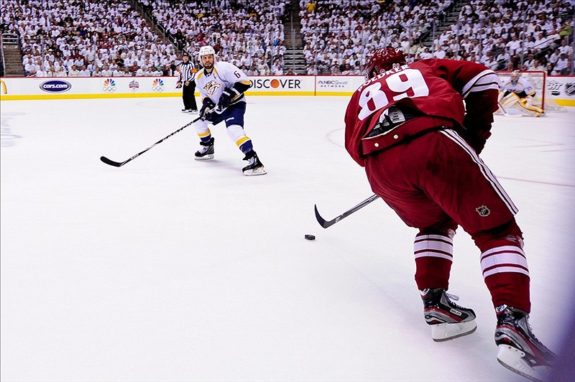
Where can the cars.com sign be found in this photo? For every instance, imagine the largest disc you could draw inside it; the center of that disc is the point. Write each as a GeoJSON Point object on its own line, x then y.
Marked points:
{"type": "Point", "coordinates": [55, 86]}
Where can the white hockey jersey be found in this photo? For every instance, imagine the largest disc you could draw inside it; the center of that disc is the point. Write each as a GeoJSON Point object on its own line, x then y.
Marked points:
{"type": "Point", "coordinates": [522, 85]}
{"type": "Point", "coordinates": [224, 75]}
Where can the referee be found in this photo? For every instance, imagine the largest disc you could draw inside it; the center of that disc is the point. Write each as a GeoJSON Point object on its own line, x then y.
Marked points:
{"type": "Point", "coordinates": [186, 78]}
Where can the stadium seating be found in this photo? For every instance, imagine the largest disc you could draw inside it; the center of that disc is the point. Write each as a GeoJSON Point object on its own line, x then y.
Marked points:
{"type": "Point", "coordinates": [145, 37]}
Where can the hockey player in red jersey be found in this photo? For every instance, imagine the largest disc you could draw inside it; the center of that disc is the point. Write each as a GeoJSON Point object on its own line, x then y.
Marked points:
{"type": "Point", "coordinates": [418, 129]}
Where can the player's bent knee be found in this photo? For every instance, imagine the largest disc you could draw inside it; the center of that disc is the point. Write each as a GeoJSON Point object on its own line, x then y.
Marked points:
{"type": "Point", "coordinates": [444, 228]}
{"type": "Point", "coordinates": [510, 99]}
{"type": "Point", "coordinates": [236, 132]}
{"type": "Point", "coordinates": [505, 234]}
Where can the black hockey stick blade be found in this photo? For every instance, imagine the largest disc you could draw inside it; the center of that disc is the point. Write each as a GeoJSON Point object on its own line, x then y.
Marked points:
{"type": "Point", "coordinates": [322, 222]}
{"type": "Point", "coordinates": [120, 164]}
{"type": "Point", "coordinates": [110, 162]}
{"type": "Point", "coordinates": [328, 223]}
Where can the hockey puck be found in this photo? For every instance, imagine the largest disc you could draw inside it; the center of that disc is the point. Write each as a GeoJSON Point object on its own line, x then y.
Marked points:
{"type": "Point", "coordinates": [309, 237]}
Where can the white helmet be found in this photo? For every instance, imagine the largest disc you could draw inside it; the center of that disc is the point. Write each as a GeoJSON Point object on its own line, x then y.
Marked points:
{"type": "Point", "coordinates": [205, 50]}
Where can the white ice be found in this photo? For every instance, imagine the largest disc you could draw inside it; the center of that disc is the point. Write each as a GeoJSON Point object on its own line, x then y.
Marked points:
{"type": "Point", "coordinates": [170, 269]}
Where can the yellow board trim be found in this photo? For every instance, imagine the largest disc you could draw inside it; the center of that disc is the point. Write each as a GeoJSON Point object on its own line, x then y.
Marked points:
{"type": "Point", "coordinates": [279, 93]}
{"type": "Point", "coordinates": [564, 102]}
{"type": "Point", "coordinates": [17, 97]}
{"type": "Point", "coordinates": [27, 97]}
{"type": "Point", "coordinates": [334, 93]}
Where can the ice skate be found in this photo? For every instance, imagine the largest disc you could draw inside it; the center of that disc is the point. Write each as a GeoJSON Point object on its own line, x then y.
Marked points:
{"type": "Point", "coordinates": [206, 152]}
{"type": "Point", "coordinates": [519, 350]}
{"type": "Point", "coordinates": [255, 166]}
{"type": "Point", "coordinates": [447, 319]}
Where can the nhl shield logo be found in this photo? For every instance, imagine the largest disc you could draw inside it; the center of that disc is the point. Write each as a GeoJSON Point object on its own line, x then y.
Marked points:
{"type": "Point", "coordinates": [483, 211]}
{"type": "Point", "coordinates": [570, 88]}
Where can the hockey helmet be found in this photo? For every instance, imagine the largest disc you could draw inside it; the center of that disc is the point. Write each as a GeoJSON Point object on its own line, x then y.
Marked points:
{"type": "Point", "coordinates": [515, 75]}
{"type": "Point", "coordinates": [383, 59]}
{"type": "Point", "coordinates": [206, 50]}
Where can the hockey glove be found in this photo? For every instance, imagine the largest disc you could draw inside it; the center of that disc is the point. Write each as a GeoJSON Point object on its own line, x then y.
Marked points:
{"type": "Point", "coordinates": [226, 98]}
{"type": "Point", "coordinates": [207, 108]}
{"type": "Point", "coordinates": [476, 139]}
{"type": "Point", "coordinates": [479, 117]}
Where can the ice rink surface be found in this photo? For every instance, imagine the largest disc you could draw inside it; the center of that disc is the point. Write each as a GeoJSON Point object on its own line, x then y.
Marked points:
{"type": "Point", "coordinates": [170, 269]}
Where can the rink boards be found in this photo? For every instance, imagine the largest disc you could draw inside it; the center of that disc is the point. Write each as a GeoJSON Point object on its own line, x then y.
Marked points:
{"type": "Point", "coordinates": [560, 90]}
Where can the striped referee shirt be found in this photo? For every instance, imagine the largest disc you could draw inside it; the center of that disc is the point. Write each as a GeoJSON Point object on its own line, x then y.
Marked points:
{"type": "Point", "coordinates": [186, 72]}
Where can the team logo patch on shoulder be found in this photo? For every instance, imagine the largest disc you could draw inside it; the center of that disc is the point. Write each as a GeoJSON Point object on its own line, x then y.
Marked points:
{"type": "Point", "coordinates": [211, 87]}
{"type": "Point", "coordinates": [483, 211]}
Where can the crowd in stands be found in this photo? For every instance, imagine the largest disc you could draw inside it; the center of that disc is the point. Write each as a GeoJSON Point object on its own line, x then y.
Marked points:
{"type": "Point", "coordinates": [508, 35]}
{"type": "Point", "coordinates": [340, 34]}
{"type": "Point", "coordinates": [249, 34]}
{"type": "Point", "coordinates": [112, 38]}
{"type": "Point", "coordinates": [504, 34]}
{"type": "Point", "coordinates": [85, 38]}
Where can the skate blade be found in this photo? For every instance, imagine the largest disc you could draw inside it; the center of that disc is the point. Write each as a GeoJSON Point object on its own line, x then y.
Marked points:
{"type": "Point", "coordinates": [255, 172]}
{"type": "Point", "coordinates": [206, 157]}
{"type": "Point", "coordinates": [445, 332]}
{"type": "Point", "coordinates": [512, 359]}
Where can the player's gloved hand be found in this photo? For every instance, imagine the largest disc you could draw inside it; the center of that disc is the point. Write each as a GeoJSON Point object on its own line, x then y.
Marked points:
{"type": "Point", "coordinates": [179, 84]}
{"type": "Point", "coordinates": [479, 117]}
{"type": "Point", "coordinates": [207, 107]}
{"type": "Point", "coordinates": [226, 99]}
{"type": "Point", "coordinates": [477, 141]}
{"type": "Point", "coordinates": [476, 132]}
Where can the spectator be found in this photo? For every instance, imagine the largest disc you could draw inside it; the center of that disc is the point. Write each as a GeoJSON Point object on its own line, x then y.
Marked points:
{"type": "Point", "coordinates": [77, 37]}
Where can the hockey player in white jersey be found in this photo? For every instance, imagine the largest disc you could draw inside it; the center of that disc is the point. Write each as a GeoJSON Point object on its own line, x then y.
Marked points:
{"type": "Point", "coordinates": [222, 86]}
{"type": "Point", "coordinates": [518, 91]}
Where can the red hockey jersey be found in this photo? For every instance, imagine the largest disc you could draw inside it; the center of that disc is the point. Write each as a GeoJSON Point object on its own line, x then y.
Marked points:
{"type": "Point", "coordinates": [432, 92]}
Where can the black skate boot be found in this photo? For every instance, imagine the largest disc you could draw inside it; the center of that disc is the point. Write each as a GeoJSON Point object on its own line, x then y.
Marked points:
{"type": "Point", "coordinates": [255, 166]}
{"type": "Point", "coordinates": [447, 319]}
{"type": "Point", "coordinates": [519, 350]}
{"type": "Point", "coordinates": [206, 151]}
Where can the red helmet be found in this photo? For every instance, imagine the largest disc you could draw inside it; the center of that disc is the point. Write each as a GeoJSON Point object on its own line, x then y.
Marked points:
{"type": "Point", "coordinates": [383, 59]}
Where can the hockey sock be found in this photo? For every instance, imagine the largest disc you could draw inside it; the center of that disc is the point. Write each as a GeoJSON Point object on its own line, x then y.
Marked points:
{"type": "Point", "coordinates": [433, 259]}
{"type": "Point", "coordinates": [506, 275]}
{"type": "Point", "coordinates": [504, 266]}
{"type": "Point", "coordinates": [204, 133]}
{"type": "Point", "coordinates": [237, 134]}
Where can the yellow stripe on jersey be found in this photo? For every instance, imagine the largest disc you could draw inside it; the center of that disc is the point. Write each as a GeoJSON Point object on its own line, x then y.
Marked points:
{"type": "Point", "coordinates": [242, 140]}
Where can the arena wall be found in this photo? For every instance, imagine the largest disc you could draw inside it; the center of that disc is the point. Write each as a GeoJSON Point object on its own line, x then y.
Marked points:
{"type": "Point", "coordinates": [560, 90]}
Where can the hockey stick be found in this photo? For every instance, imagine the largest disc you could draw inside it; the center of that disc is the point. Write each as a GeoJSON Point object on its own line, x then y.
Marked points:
{"type": "Point", "coordinates": [502, 108]}
{"type": "Point", "coordinates": [328, 223]}
{"type": "Point", "coordinates": [120, 164]}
